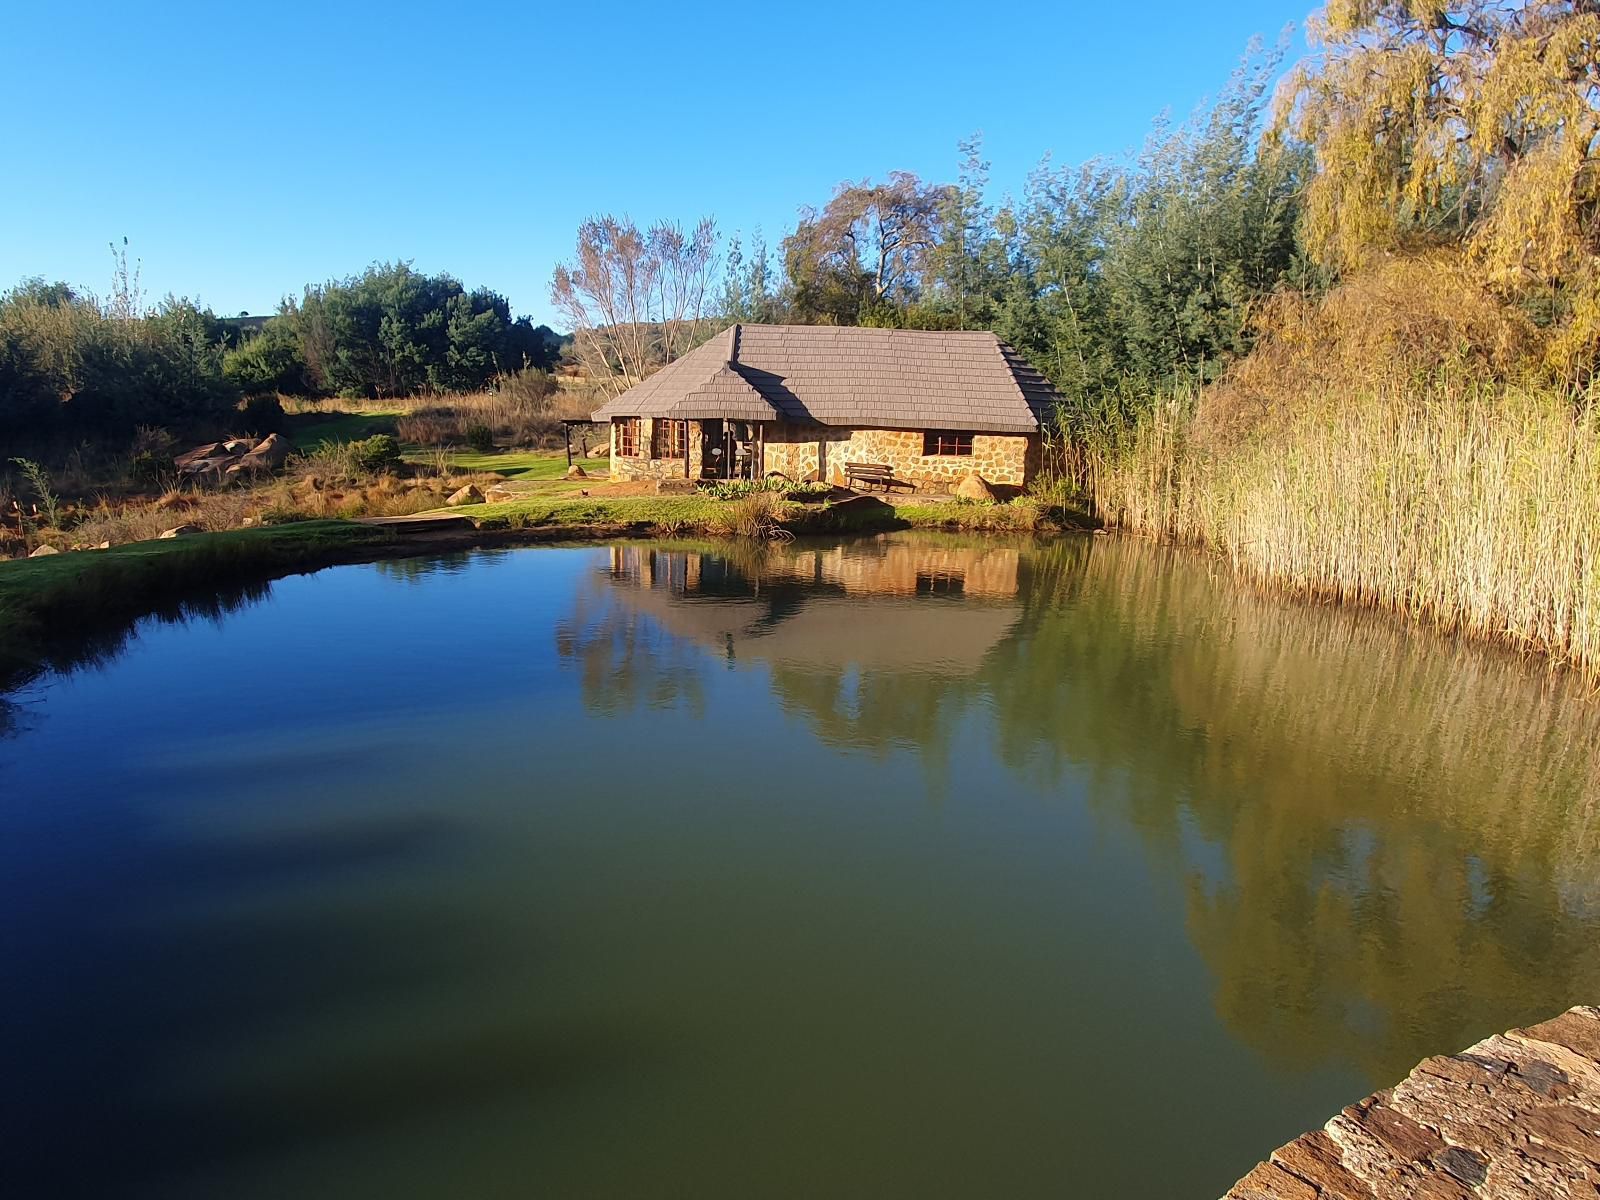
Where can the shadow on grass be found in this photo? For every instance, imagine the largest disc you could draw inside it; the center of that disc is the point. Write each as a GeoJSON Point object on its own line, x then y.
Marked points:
{"type": "Point", "coordinates": [307, 430]}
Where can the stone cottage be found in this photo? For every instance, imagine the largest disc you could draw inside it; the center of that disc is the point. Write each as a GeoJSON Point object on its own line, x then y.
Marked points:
{"type": "Point", "coordinates": [807, 400]}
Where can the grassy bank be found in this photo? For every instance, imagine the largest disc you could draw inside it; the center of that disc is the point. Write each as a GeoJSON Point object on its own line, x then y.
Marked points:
{"type": "Point", "coordinates": [754, 515]}
{"type": "Point", "coordinates": [1477, 512]}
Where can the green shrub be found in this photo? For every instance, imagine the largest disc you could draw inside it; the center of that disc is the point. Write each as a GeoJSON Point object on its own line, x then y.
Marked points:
{"type": "Point", "coordinates": [147, 468]}
{"type": "Point", "coordinates": [480, 438]}
{"type": "Point", "coordinates": [777, 485]}
{"type": "Point", "coordinates": [376, 454]}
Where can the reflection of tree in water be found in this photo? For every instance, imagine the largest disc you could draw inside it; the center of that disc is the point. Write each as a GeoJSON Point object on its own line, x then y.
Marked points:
{"type": "Point", "coordinates": [415, 570]}
{"type": "Point", "coordinates": [1391, 844]}
{"type": "Point", "coordinates": [626, 662]}
{"type": "Point", "coordinates": [98, 646]}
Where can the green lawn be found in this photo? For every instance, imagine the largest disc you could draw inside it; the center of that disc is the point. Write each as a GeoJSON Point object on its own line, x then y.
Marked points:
{"type": "Point", "coordinates": [556, 509]}
{"type": "Point", "coordinates": [513, 464]}
{"type": "Point", "coordinates": [307, 430]}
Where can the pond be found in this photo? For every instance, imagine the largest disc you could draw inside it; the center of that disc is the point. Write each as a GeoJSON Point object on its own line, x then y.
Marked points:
{"type": "Point", "coordinates": [905, 866]}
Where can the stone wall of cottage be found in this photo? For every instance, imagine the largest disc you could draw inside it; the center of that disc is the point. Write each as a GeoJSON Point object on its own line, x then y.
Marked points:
{"type": "Point", "coordinates": [806, 452]}
{"type": "Point", "coordinates": [643, 466]}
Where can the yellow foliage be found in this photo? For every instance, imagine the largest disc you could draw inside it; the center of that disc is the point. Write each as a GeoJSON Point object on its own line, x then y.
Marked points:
{"type": "Point", "coordinates": [1471, 121]}
{"type": "Point", "coordinates": [1424, 322]}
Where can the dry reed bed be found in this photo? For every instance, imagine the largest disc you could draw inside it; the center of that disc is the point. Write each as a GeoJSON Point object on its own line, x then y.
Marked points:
{"type": "Point", "coordinates": [1478, 513]}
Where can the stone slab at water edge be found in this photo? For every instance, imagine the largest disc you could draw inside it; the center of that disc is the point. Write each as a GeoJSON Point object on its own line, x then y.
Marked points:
{"type": "Point", "coordinates": [1515, 1117]}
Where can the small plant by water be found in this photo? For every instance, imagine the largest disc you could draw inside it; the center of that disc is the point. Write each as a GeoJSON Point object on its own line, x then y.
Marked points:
{"type": "Point", "coordinates": [38, 480]}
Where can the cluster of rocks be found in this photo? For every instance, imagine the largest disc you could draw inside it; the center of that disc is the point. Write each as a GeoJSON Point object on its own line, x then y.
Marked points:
{"type": "Point", "coordinates": [222, 461]}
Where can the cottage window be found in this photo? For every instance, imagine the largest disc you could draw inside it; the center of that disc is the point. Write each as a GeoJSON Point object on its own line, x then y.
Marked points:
{"type": "Point", "coordinates": [628, 437]}
{"type": "Point", "coordinates": [672, 439]}
{"type": "Point", "coordinates": [943, 442]}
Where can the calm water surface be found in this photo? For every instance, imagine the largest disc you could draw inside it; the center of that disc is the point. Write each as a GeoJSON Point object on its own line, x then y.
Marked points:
{"type": "Point", "coordinates": [907, 867]}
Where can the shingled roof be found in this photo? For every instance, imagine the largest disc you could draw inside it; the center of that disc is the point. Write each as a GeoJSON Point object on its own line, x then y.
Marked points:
{"type": "Point", "coordinates": [847, 376]}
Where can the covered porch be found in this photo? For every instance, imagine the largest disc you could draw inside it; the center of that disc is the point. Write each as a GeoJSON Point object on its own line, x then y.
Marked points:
{"type": "Point", "coordinates": [717, 431]}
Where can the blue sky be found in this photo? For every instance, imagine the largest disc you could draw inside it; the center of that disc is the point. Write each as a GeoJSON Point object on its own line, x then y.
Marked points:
{"type": "Point", "coordinates": [245, 150]}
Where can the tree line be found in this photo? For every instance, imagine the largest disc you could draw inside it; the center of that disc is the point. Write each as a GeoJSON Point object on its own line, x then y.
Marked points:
{"type": "Point", "coordinates": [1467, 129]}
{"type": "Point", "coordinates": [73, 363]}
{"type": "Point", "coordinates": [1463, 134]}
{"type": "Point", "coordinates": [1110, 276]}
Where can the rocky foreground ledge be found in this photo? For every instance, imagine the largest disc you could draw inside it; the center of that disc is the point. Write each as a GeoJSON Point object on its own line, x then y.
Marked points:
{"type": "Point", "coordinates": [1515, 1117]}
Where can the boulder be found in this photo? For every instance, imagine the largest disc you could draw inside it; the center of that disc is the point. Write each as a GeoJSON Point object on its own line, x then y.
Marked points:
{"type": "Point", "coordinates": [467, 495]}
{"type": "Point", "coordinates": [247, 522]}
{"type": "Point", "coordinates": [209, 450]}
{"type": "Point", "coordinates": [270, 454]}
{"type": "Point", "coordinates": [42, 551]}
{"type": "Point", "coordinates": [216, 463]}
{"type": "Point", "coordinates": [103, 546]}
{"type": "Point", "coordinates": [239, 446]}
{"type": "Point", "coordinates": [178, 531]}
{"type": "Point", "coordinates": [576, 472]}
{"type": "Point", "coordinates": [601, 451]}
{"type": "Point", "coordinates": [974, 488]}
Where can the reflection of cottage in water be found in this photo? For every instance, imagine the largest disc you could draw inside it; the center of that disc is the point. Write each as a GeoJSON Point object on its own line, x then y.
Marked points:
{"type": "Point", "coordinates": [797, 607]}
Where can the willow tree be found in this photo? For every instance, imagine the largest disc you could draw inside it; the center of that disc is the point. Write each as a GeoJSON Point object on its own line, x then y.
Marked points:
{"type": "Point", "coordinates": [1474, 123]}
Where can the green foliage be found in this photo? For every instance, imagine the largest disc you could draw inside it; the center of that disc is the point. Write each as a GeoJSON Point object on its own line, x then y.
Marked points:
{"type": "Point", "coordinates": [67, 364]}
{"type": "Point", "coordinates": [147, 468]}
{"type": "Point", "coordinates": [392, 331]}
{"type": "Point", "coordinates": [480, 438]}
{"type": "Point", "coordinates": [376, 454]}
{"type": "Point", "coordinates": [871, 248]}
{"type": "Point", "coordinates": [1115, 279]}
{"type": "Point", "coordinates": [269, 362]}
{"type": "Point", "coordinates": [38, 480]}
{"type": "Point", "coordinates": [738, 489]}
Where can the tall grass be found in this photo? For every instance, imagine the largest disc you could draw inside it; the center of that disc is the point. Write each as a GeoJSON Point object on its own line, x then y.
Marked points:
{"type": "Point", "coordinates": [510, 417]}
{"type": "Point", "coordinates": [1477, 509]}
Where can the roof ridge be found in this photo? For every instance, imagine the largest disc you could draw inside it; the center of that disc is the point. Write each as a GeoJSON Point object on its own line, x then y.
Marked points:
{"type": "Point", "coordinates": [733, 343]}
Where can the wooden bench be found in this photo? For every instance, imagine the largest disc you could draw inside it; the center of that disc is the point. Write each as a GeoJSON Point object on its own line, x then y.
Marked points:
{"type": "Point", "coordinates": [873, 475]}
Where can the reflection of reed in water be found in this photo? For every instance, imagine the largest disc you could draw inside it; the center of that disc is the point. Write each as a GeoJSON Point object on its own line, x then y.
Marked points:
{"type": "Point", "coordinates": [1390, 841]}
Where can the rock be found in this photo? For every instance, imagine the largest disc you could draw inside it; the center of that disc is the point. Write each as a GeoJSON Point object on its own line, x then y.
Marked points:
{"type": "Point", "coordinates": [43, 551]}
{"type": "Point", "coordinates": [217, 463]}
{"type": "Point", "coordinates": [270, 454]}
{"type": "Point", "coordinates": [467, 495]}
{"type": "Point", "coordinates": [576, 472]}
{"type": "Point", "coordinates": [247, 522]}
{"type": "Point", "coordinates": [209, 450]}
{"type": "Point", "coordinates": [599, 452]}
{"type": "Point", "coordinates": [974, 488]}
{"type": "Point", "coordinates": [103, 546]}
{"type": "Point", "coordinates": [499, 493]}
{"type": "Point", "coordinates": [181, 531]}
{"type": "Point", "coordinates": [239, 446]}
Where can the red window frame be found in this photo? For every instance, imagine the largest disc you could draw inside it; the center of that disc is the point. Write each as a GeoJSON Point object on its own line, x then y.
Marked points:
{"type": "Point", "coordinates": [671, 438]}
{"type": "Point", "coordinates": [628, 437]}
{"type": "Point", "coordinates": [946, 443]}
